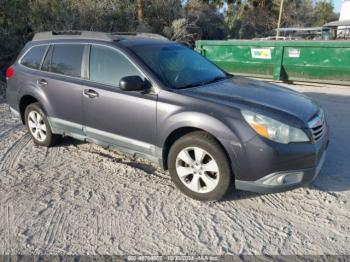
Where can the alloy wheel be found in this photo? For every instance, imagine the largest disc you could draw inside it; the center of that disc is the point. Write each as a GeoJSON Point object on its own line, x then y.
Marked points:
{"type": "Point", "coordinates": [197, 170]}
{"type": "Point", "coordinates": [37, 126]}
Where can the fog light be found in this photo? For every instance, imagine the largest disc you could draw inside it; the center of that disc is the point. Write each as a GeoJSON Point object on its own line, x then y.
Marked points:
{"type": "Point", "coordinates": [280, 179]}
{"type": "Point", "coordinates": [277, 179]}
{"type": "Point", "coordinates": [293, 178]}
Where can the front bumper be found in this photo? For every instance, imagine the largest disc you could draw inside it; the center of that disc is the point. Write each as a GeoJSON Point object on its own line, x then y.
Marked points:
{"type": "Point", "coordinates": [275, 168]}
{"type": "Point", "coordinates": [282, 181]}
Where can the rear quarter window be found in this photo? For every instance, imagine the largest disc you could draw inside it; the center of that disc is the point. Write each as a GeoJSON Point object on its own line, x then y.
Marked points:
{"type": "Point", "coordinates": [33, 57]}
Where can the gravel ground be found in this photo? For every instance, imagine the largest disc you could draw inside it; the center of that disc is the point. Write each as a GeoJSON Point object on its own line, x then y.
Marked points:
{"type": "Point", "coordinates": [79, 198]}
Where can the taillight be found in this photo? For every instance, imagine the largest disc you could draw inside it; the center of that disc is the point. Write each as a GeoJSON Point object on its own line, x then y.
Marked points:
{"type": "Point", "coordinates": [10, 73]}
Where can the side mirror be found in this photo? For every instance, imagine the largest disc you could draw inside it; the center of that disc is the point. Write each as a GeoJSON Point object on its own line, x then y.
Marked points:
{"type": "Point", "coordinates": [132, 83]}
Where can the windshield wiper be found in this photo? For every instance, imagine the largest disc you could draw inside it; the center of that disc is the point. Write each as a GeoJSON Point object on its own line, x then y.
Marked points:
{"type": "Point", "coordinates": [216, 79]}
{"type": "Point", "coordinates": [190, 85]}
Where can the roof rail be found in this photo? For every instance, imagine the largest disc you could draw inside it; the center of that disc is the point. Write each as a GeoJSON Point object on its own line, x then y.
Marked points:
{"type": "Point", "coordinates": [53, 35]}
{"type": "Point", "coordinates": [140, 34]}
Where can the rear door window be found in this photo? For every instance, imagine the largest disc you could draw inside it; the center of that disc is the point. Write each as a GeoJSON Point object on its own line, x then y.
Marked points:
{"type": "Point", "coordinates": [108, 66]}
{"type": "Point", "coordinates": [47, 60]}
{"type": "Point", "coordinates": [34, 56]}
{"type": "Point", "coordinates": [66, 59]}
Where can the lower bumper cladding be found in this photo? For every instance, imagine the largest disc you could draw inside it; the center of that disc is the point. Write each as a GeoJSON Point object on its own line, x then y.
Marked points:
{"type": "Point", "coordinates": [282, 181]}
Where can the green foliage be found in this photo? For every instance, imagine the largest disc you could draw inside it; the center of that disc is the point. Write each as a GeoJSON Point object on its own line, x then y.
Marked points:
{"type": "Point", "coordinates": [180, 20]}
{"type": "Point", "coordinates": [257, 18]}
{"type": "Point", "coordinates": [159, 13]}
{"type": "Point", "coordinates": [324, 13]}
{"type": "Point", "coordinates": [206, 17]}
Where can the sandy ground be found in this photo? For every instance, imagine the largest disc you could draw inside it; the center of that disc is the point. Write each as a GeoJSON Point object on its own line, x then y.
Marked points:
{"type": "Point", "coordinates": [82, 199]}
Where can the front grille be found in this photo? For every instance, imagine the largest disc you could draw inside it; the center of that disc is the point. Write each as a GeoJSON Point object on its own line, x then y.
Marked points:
{"type": "Point", "coordinates": [318, 126]}
{"type": "Point", "coordinates": [317, 132]}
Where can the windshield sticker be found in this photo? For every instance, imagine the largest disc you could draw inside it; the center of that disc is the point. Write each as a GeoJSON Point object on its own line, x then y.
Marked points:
{"type": "Point", "coordinates": [295, 53]}
{"type": "Point", "coordinates": [261, 53]}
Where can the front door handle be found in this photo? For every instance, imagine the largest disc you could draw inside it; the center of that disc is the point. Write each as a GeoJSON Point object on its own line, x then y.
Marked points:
{"type": "Point", "coordinates": [42, 82]}
{"type": "Point", "coordinates": [90, 93]}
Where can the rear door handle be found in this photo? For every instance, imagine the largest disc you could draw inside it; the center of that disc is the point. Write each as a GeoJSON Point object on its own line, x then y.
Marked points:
{"type": "Point", "coordinates": [42, 82]}
{"type": "Point", "coordinates": [90, 93]}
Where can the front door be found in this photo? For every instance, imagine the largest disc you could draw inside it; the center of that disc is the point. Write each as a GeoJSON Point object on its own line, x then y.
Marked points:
{"type": "Point", "coordinates": [122, 118]}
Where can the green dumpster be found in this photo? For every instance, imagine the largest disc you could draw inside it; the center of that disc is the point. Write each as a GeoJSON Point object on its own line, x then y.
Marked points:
{"type": "Point", "coordinates": [310, 61]}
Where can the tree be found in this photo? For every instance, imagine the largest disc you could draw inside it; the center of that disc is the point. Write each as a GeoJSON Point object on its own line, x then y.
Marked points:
{"type": "Point", "coordinates": [14, 31]}
{"type": "Point", "coordinates": [206, 18]}
{"type": "Point", "coordinates": [139, 11]}
{"type": "Point", "coordinates": [182, 20]}
{"type": "Point", "coordinates": [182, 31]}
{"type": "Point", "coordinates": [160, 14]}
{"type": "Point", "coordinates": [323, 13]}
{"type": "Point", "coordinates": [297, 13]}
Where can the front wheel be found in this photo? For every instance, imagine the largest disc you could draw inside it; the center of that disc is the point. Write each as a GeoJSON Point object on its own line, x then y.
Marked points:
{"type": "Point", "coordinates": [38, 126]}
{"type": "Point", "coordinates": [199, 167]}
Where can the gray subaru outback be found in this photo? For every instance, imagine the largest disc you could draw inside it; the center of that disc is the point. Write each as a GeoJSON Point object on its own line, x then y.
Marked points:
{"type": "Point", "coordinates": [160, 100]}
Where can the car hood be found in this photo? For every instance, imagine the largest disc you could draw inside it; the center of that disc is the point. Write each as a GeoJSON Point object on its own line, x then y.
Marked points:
{"type": "Point", "coordinates": [256, 95]}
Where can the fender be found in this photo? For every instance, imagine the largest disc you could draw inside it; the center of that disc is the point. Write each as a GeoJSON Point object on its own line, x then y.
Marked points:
{"type": "Point", "coordinates": [31, 89]}
{"type": "Point", "coordinates": [198, 120]}
{"type": "Point", "coordinates": [207, 123]}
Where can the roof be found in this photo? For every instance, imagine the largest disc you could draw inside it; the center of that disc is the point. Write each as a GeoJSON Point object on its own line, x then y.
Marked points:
{"type": "Point", "coordinates": [288, 29]}
{"type": "Point", "coordinates": [91, 35]}
{"type": "Point", "coordinates": [338, 23]}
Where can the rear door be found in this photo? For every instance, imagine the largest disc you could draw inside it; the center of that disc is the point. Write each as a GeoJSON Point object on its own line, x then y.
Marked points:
{"type": "Point", "coordinates": [62, 84]}
{"type": "Point", "coordinates": [122, 118]}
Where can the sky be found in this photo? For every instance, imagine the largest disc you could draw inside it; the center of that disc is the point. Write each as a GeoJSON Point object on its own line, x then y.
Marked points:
{"type": "Point", "coordinates": [337, 5]}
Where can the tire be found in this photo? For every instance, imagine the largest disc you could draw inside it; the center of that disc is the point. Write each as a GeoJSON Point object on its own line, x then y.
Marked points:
{"type": "Point", "coordinates": [195, 183]}
{"type": "Point", "coordinates": [36, 120]}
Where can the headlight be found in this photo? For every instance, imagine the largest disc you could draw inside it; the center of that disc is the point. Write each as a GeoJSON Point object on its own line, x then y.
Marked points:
{"type": "Point", "coordinates": [273, 129]}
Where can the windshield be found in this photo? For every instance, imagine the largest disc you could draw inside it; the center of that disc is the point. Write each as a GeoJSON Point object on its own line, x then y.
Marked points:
{"type": "Point", "coordinates": [178, 66]}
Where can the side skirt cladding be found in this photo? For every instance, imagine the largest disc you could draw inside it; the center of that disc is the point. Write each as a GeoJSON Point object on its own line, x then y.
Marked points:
{"type": "Point", "coordinates": [107, 140]}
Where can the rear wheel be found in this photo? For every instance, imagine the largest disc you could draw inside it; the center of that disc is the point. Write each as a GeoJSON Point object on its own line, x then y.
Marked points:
{"type": "Point", "coordinates": [38, 126]}
{"type": "Point", "coordinates": [199, 167]}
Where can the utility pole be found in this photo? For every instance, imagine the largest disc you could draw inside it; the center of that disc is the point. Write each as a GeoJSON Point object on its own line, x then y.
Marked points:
{"type": "Point", "coordinates": [279, 20]}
